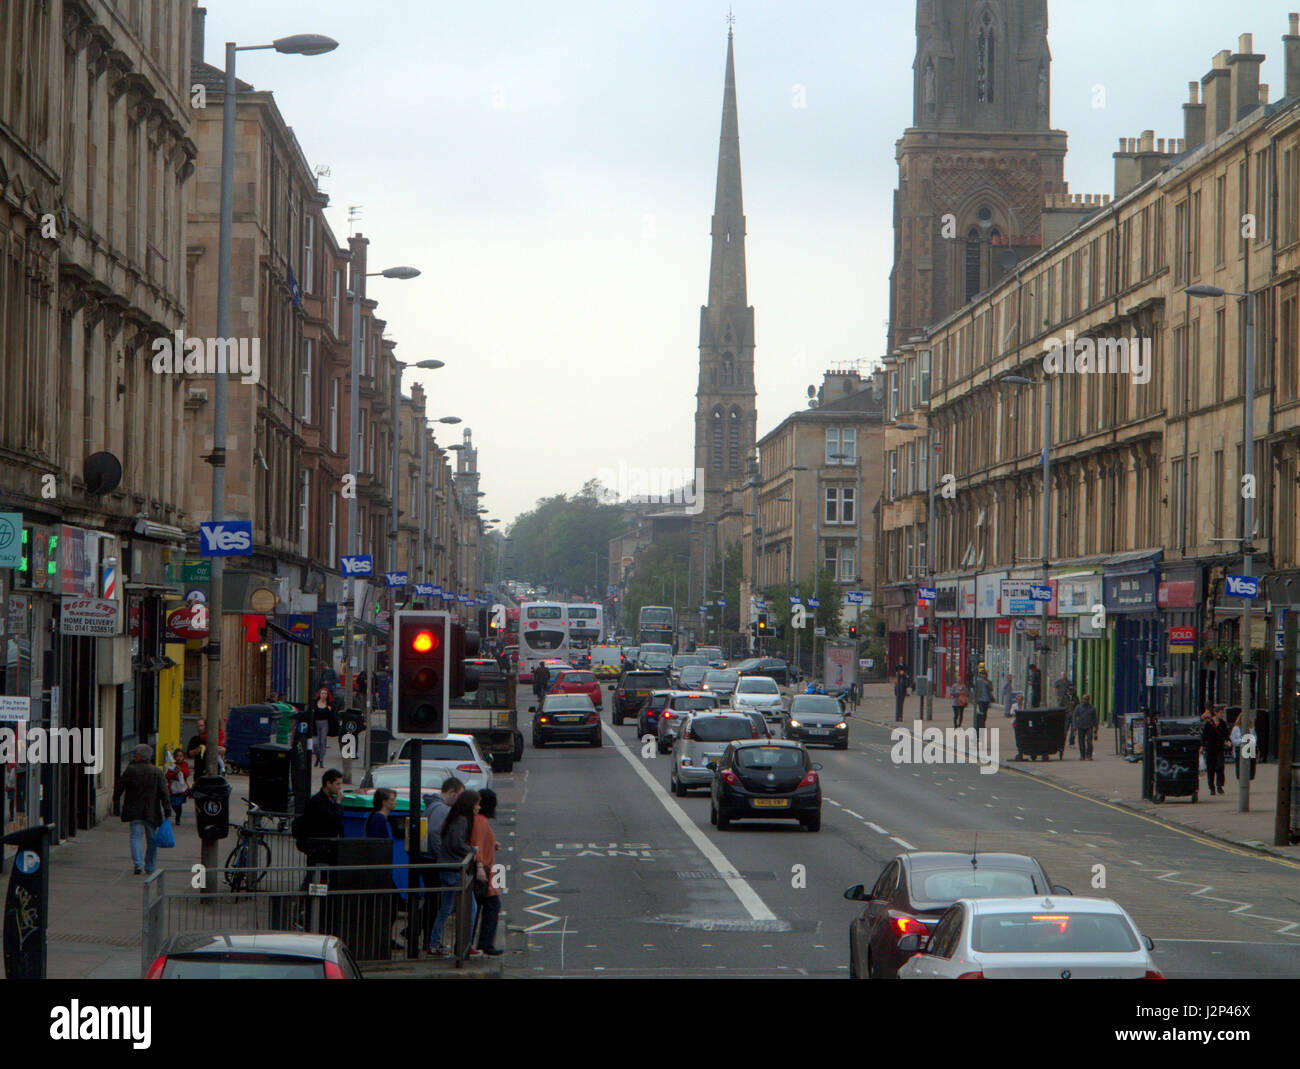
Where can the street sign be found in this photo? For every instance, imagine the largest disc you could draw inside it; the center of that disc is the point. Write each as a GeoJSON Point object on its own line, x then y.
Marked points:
{"type": "Point", "coordinates": [795, 599]}
{"type": "Point", "coordinates": [722, 603]}
{"type": "Point", "coordinates": [704, 610]}
{"type": "Point", "coordinates": [927, 593]}
{"type": "Point", "coordinates": [1039, 592]}
{"type": "Point", "coordinates": [1279, 646]}
{"type": "Point", "coordinates": [1243, 586]}
{"type": "Point", "coordinates": [361, 564]}
{"type": "Point", "coordinates": [228, 538]}
{"type": "Point", "coordinates": [1165, 681]}
{"type": "Point", "coordinates": [853, 597]}
{"type": "Point", "coordinates": [395, 579]}
{"type": "Point", "coordinates": [814, 603]}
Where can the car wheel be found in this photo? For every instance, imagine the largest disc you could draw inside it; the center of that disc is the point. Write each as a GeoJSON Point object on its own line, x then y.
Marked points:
{"type": "Point", "coordinates": [618, 718]}
{"type": "Point", "coordinates": [679, 789]}
{"type": "Point", "coordinates": [814, 823]}
{"type": "Point", "coordinates": [842, 745]}
{"type": "Point", "coordinates": [537, 742]}
{"type": "Point", "coordinates": [713, 813]}
{"type": "Point", "coordinates": [519, 745]}
{"type": "Point", "coordinates": [854, 972]}
{"type": "Point", "coordinates": [507, 763]}
{"type": "Point", "coordinates": [872, 972]}
{"type": "Point", "coordinates": [1158, 798]}
{"type": "Point", "coordinates": [724, 821]}
{"type": "Point", "coordinates": [598, 741]}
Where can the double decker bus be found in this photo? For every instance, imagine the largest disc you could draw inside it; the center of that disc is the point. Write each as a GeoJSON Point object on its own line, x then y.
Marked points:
{"type": "Point", "coordinates": [586, 623]}
{"type": "Point", "coordinates": [543, 633]}
{"type": "Point", "coordinates": [656, 625]}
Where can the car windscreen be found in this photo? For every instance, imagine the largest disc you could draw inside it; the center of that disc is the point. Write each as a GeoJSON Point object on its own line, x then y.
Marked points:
{"type": "Point", "coordinates": [656, 660]}
{"type": "Point", "coordinates": [1053, 931]}
{"type": "Point", "coordinates": [691, 704]}
{"type": "Point", "coordinates": [804, 704]}
{"type": "Point", "coordinates": [757, 685]}
{"type": "Point", "coordinates": [720, 728]}
{"type": "Point", "coordinates": [237, 966]}
{"type": "Point", "coordinates": [658, 701]}
{"type": "Point", "coordinates": [942, 887]}
{"type": "Point", "coordinates": [438, 750]}
{"type": "Point", "coordinates": [763, 758]}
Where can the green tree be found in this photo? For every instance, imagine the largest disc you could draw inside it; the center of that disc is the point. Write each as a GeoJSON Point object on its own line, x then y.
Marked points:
{"type": "Point", "coordinates": [563, 542]}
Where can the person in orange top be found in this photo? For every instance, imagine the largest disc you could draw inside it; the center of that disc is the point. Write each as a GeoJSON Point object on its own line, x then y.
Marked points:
{"type": "Point", "coordinates": [486, 884]}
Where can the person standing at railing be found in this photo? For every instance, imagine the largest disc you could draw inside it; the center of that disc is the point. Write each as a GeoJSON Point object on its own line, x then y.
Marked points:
{"type": "Point", "coordinates": [487, 888]}
{"type": "Point", "coordinates": [453, 847]}
{"type": "Point", "coordinates": [378, 825]}
{"type": "Point", "coordinates": [323, 816]}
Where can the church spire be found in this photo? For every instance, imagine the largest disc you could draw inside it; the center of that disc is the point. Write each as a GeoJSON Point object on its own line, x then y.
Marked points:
{"type": "Point", "coordinates": [727, 287]}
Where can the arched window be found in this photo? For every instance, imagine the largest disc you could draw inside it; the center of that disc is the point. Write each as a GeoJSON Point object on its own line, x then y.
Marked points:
{"type": "Point", "coordinates": [972, 262]}
{"type": "Point", "coordinates": [715, 442]}
{"type": "Point", "coordinates": [984, 68]}
{"type": "Point", "coordinates": [733, 441]}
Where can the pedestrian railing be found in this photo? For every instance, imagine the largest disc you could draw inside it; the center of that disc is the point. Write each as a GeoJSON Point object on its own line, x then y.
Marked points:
{"type": "Point", "coordinates": [364, 905]}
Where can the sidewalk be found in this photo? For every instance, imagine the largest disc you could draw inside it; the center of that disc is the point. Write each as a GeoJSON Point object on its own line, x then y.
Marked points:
{"type": "Point", "coordinates": [1109, 778]}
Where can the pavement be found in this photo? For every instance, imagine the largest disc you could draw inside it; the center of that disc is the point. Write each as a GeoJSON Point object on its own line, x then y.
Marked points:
{"type": "Point", "coordinates": [1109, 778]}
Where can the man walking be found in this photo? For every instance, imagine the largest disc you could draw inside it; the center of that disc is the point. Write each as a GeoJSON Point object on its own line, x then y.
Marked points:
{"type": "Point", "coordinates": [901, 682]}
{"type": "Point", "coordinates": [1034, 688]}
{"type": "Point", "coordinates": [1214, 739]}
{"type": "Point", "coordinates": [983, 698]}
{"type": "Point", "coordinates": [142, 791]}
{"type": "Point", "coordinates": [1084, 719]}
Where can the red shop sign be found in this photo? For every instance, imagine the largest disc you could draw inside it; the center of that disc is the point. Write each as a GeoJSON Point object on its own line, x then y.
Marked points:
{"type": "Point", "coordinates": [1002, 626]}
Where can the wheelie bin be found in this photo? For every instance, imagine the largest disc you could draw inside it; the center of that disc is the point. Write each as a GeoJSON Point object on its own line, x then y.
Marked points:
{"type": "Point", "coordinates": [1174, 767]}
{"type": "Point", "coordinates": [1041, 732]}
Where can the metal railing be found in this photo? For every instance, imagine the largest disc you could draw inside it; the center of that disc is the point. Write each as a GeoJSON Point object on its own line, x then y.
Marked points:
{"type": "Point", "coordinates": [381, 912]}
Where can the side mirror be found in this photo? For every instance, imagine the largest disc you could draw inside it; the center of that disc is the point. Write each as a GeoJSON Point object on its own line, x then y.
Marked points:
{"type": "Point", "coordinates": [1150, 943]}
{"type": "Point", "coordinates": [817, 766]}
{"type": "Point", "coordinates": [1057, 889]}
{"type": "Point", "coordinates": [857, 893]}
{"type": "Point", "coordinates": [911, 944]}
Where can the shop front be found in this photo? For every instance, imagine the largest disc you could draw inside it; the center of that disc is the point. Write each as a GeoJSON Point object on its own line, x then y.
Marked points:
{"type": "Point", "coordinates": [951, 649]}
{"type": "Point", "coordinates": [1129, 594]}
{"type": "Point", "coordinates": [900, 618]}
{"type": "Point", "coordinates": [1179, 597]}
{"type": "Point", "coordinates": [1078, 599]}
{"type": "Point", "coordinates": [995, 643]}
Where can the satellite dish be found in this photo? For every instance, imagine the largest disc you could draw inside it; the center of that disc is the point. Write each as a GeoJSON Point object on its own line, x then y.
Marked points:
{"type": "Point", "coordinates": [1008, 259]}
{"type": "Point", "coordinates": [102, 472]}
{"type": "Point", "coordinates": [812, 391]}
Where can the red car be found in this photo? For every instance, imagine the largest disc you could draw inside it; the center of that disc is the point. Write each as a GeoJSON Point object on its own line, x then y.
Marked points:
{"type": "Point", "coordinates": [572, 681]}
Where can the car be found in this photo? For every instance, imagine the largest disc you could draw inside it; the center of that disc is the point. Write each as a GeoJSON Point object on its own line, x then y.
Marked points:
{"type": "Point", "coordinates": [914, 889]}
{"type": "Point", "coordinates": [253, 956]}
{"type": "Point", "coordinates": [679, 706]}
{"type": "Point", "coordinates": [699, 744]}
{"type": "Point", "coordinates": [721, 681]}
{"type": "Point", "coordinates": [655, 647]}
{"type": "Point", "coordinates": [565, 718]}
{"type": "Point", "coordinates": [630, 655]}
{"type": "Point", "coordinates": [1031, 939]}
{"type": "Point", "coordinates": [474, 665]}
{"type": "Point", "coordinates": [763, 728]}
{"type": "Point", "coordinates": [766, 779]}
{"type": "Point", "coordinates": [576, 681]}
{"type": "Point", "coordinates": [772, 667]}
{"type": "Point", "coordinates": [684, 660]}
{"type": "Point", "coordinates": [712, 656]}
{"type": "Point", "coordinates": [817, 718]}
{"type": "Point", "coordinates": [510, 658]}
{"type": "Point", "coordinates": [607, 660]}
{"type": "Point", "coordinates": [453, 755]}
{"type": "Point", "coordinates": [659, 662]}
{"type": "Point", "coordinates": [761, 693]}
{"type": "Point", "coordinates": [691, 676]}
{"type": "Point", "coordinates": [633, 690]}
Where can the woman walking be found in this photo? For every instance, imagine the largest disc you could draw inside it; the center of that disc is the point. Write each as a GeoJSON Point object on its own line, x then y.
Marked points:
{"type": "Point", "coordinates": [960, 696]}
{"type": "Point", "coordinates": [487, 892]}
{"type": "Point", "coordinates": [322, 713]}
{"type": "Point", "coordinates": [453, 847]}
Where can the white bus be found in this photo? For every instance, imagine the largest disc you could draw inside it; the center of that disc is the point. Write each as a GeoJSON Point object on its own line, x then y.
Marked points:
{"type": "Point", "coordinates": [586, 624]}
{"type": "Point", "coordinates": [543, 633]}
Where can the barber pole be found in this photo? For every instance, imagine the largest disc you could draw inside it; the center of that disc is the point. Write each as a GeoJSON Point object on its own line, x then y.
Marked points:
{"type": "Point", "coordinates": [110, 581]}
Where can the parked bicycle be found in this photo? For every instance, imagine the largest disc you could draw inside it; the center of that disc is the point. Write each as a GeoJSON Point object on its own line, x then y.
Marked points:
{"type": "Point", "coordinates": [250, 860]}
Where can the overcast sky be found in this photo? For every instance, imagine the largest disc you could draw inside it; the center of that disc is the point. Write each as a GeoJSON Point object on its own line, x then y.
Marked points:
{"type": "Point", "coordinates": [550, 168]}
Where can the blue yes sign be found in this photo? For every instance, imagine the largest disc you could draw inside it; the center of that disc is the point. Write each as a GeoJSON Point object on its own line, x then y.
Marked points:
{"type": "Point", "coordinates": [226, 538]}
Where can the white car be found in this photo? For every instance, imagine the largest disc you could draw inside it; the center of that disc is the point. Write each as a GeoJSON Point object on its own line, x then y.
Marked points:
{"type": "Point", "coordinates": [1045, 938]}
{"type": "Point", "coordinates": [440, 759]}
{"type": "Point", "coordinates": [760, 693]}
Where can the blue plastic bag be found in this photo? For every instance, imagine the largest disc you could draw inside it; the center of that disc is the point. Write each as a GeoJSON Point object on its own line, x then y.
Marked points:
{"type": "Point", "coordinates": [164, 837]}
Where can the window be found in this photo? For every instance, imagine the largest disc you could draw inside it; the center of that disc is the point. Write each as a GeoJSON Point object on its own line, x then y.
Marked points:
{"type": "Point", "coordinates": [1220, 216]}
{"type": "Point", "coordinates": [334, 415]}
{"type": "Point", "coordinates": [361, 440]}
{"type": "Point", "coordinates": [716, 446]}
{"type": "Point", "coordinates": [334, 528]}
{"type": "Point", "coordinates": [1176, 503]}
{"type": "Point", "coordinates": [308, 252]}
{"type": "Point", "coordinates": [923, 468]}
{"type": "Point", "coordinates": [893, 395]}
{"type": "Point", "coordinates": [305, 408]}
{"type": "Point", "coordinates": [304, 511]}
{"type": "Point", "coordinates": [338, 299]}
{"type": "Point", "coordinates": [1263, 218]}
{"type": "Point", "coordinates": [1216, 496]}
{"type": "Point", "coordinates": [972, 263]}
{"type": "Point", "coordinates": [1194, 234]}
{"type": "Point", "coordinates": [1219, 356]}
{"type": "Point", "coordinates": [733, 440]}
{"type": "Point", "coordinates": [849, 444]}
{"type": "Point", "coordinates": [832, 445]}
{"type": "Point", "coordinates": [1180, 243]}
{"type": "Point", "coordinates": [1290, 193]}
{"type": "Point", "coordinates": [893, 474]}
{"type": "Point", "coordinates": [984, 73]}
{"type": "Point", "coordinates": [924, 376]}
{"type": "Point", "coordinates": [1242, 206]}
{"type": "Point", "coordinates": [839, 505]}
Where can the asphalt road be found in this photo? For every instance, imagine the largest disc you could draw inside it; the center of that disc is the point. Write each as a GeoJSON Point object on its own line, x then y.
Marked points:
{"type": "Point", "coordinates": [611, 875]}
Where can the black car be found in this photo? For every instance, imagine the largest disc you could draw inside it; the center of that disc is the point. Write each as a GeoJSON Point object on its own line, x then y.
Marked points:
{"type": "Point", "coordinates": [773, 667]}
{"type": "Point", "coordinates": [566, 718]}
{"type": "Point", "coordinates": [633, 690]}
{"type": "Point", "coordinates": [253, 956]}
{"type": "Point", "coordinates": [817, 718]}
{"type": "Point", "coordinates": [766, 779]}
{"type": "Point", "coordinates": [914, 890]}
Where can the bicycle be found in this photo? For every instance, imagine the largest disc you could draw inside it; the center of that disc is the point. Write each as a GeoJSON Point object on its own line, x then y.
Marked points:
{"type": "Point", "coordinates": [249, 861]}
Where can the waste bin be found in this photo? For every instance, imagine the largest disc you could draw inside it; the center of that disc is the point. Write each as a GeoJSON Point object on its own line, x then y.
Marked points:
{"type": "Point", "coordinates": [380, 739]}
{"type": "Point", "coordinates": [212, 807]}
{"type": "Point", "coordinates": [269, 766]}
{"type": "Point", "coordinates": [1174, 767]}
{"type": "Point", "coordinates": [1040, 732]}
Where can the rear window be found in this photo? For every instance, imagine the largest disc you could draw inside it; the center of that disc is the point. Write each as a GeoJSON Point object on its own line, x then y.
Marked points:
{"type": "Point", "coordinates": [1052, 931]}
{"type": "Point", "coordinates": [251, 966]}
{"type": "Point", "coordinates": [579, 677]}
{"type": "Point", "coordinates": [689, 704]}
{"type": "Point", "coordinates": [438, 750]}
{"type": "Point", "coordinates": [720, 676]}
{"type": "Point", "coordinates": [770, 757]}
{"type": "Point", "coordinates": [720, 728]}
{"type": "Point", "coordinates": [558, 703]}
{"type": "Point", "coordinates": [945, 886]}
{"type": "Point", "coordinates": [645, 681]}
{"type": "Point", "coordinates": [658, 701]}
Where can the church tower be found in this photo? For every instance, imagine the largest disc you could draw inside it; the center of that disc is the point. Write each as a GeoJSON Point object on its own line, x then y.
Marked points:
{"type": "Point", "coordinates": [980, 156]}
{"type": "Point", "coordinates": [724, 410]}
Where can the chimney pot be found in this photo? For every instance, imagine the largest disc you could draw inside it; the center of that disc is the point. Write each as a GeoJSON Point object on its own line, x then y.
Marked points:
{"type": "Point", "coordinates": [1294, 20]}
{"type": "Point", "coordinates": [1193, 92]}
{"type": "Point", "coordinates": [1246, 44]}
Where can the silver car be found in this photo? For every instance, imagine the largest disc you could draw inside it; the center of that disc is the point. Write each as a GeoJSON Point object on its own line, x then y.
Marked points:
{"type": "Point", "coordinates": [761, 693]}
{"type": "Point", "coordinates": [679, 706]}
{"type": "Point", "coordinates": [1031, 939]}
{"type": "Point", "coordinates": [440, 759]}
{"type": "Point", "coordinates": [700, 744]}
{"type": "Point", "coordinates": [722, 682]}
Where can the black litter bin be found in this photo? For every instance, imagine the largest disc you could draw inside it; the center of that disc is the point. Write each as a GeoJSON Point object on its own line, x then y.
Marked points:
{"type": "Point", "coordinates": [1174, 767]}
{"type": "Point", "coordinates": [212, 807]}
{"type": "Point", "coordinates": [380, 740]}
{"type": "Point", "coordinates": [269, 766]}
{"type": "Point", "coordinates": [1041, 732]}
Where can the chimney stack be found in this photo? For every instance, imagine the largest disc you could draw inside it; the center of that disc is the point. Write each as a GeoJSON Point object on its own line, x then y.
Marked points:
{"type": "Point", "coordinates": [1215, 92]}
{"type": "Point", "coordinates": [197, 17]}
{"type": "Point", "coordinates": [1291, 52]}
{"type": "Point", "coordinates": [1194, 116]}
{"type": "Point", "coordinates": [1244, 67]}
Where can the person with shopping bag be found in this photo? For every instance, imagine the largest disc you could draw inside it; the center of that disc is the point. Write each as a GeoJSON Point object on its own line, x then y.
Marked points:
{"type": "Point", "coordinates": [141, 793]}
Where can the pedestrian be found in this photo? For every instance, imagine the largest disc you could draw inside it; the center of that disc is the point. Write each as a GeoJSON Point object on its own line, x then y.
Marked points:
{"type": "Point", "coordinates": [901, 682]}
{"type": "Point", "coordinates": [453, 848]}
{"type": "Point", "coordinates": [378, 825]}
{"type": "Point", "coordinates": [1214, 739]}
{"type": "Point", "coordinates": [178, 782]}
{"type": "Point", "coordinates": [435, 815]}
{"type": "Point", "coordinates": [853, 696]}
{"type": "Point", "coordinates": [983, 698]}
{"type": "Point", "coordinates": [1244, 744]}
{"type": "Point", "coordinates": [487, 889]}
{"type": "Point", "coordinates": [1008, 689]}
{"type": "Point", "coordinates": [142, 793]}
{"type": "Point", "coordinates": [1034, 685]}
{"type": "Point", "coordinates": [1083, 725]}
{"type": "Point", "coordinates": [322, 712]}
{"type": "Point", "coordinates": [1064, 690]}
{"type": "Point", "coordinates": [541, 677]}
{"type": "Point", "coordinates": [197, 749]}
{"type": "Point", "coordinates": [960, 695]}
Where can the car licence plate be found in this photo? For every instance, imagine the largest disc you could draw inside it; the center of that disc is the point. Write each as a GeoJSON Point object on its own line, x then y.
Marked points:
{"type": "Point", "coordinates": [771, 803]}
{"type": "Point", "coordinates": [570, 719]}
{"type": "Point", "coordinates": [819, 731]}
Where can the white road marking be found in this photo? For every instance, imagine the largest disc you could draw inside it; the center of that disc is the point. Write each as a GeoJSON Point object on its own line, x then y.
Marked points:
{"type": "Point", "coordinates": [855, 816]}
{"type": "Point", "coordinates": [902, 842]}
{"type": "Point", "coordinates": [748, 897]}
{"type": "Point", "coordinates": [832, 801]}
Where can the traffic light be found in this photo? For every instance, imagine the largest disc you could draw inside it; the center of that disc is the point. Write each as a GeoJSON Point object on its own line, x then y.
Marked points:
{"type": "Point", "coordinates": [853, 630]}
{"type": "Point", "coordinates": [762, 623]}
{"type": "Point", "coordinates": [422, 671]}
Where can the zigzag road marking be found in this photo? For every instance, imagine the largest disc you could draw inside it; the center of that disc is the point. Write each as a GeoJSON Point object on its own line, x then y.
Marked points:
{"type": "Point", "coordinates": [1243, 908]}
{"type": "Point", "coordinates": [536, 890]}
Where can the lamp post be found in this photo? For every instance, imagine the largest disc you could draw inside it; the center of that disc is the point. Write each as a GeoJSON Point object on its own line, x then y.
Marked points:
{"type": "Point", "coordinates": [798, 558]}
{"type": "Point", "coordinates": [304, 44]}
{"type": "Point", "coordinates": [927, 711]}
{"type": "Point", "coordinates": [1246, 719]}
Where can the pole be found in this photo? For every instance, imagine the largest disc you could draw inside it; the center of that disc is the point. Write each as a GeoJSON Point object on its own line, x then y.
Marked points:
{"type": "Point", "coordinates": [1286, 734]}
{"type": "Point", "coordinates": [1047, 513]}
{"type": "Point", "coordinates": [796, 572]}
{"type": "Point", "coordinates": [722, 615]}
{"type": "Point", "coordinates": [1246, 719]}
{"type": "Point", "coordinates": [213, 718]}
{"type": "Point", "coordinates": [354, 455]}
{"type": "Point", "coordinates": [424, 502]}
{"type": "Point", "coordinates": [930, 661]}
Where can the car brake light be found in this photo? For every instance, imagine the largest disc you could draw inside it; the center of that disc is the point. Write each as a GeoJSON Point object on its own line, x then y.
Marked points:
{"type": "Point", "coordinates": [729, 777]}
{"type": "Point", "coordinates": [159, 963]}
{"type": "Point", "coordinates": [971, 976]}
{"type": "Point", "coordinates": [668, 714]}
{"type": "Point", "coordinates": [593, 718]}
{"type": "Point", "coordinates": [1152, 974]}
{"type": "Point", "coordinates": [469, 767]}
{"type": "Point", "coordinates": [809, 780]}
{"type": "Point", "coordinates": [333, 972]}
{"type": "Point", "coordinates": [906, 925]}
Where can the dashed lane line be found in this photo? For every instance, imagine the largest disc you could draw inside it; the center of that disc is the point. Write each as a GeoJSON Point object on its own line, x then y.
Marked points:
{"type": "Point", "coordinates": [902, 842]}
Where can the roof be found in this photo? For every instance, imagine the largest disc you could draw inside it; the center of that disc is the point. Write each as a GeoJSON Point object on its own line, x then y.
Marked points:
{"type": "Point", "coordinates": [1065, 903]}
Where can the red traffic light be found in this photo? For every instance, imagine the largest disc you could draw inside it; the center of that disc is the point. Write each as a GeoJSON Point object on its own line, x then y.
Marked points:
{"type": "Point", "coordinates": [424, 642]}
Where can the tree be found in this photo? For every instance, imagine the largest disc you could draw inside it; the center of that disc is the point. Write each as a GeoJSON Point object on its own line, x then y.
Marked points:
{"type": "Point", "coordinates": [564, 542]}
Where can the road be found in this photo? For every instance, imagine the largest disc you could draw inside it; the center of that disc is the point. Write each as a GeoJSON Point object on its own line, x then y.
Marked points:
{"type": "Point", "coordinates": [612, 875]}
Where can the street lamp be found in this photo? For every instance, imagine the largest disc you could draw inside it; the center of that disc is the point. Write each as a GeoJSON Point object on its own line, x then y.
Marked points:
{"type": "Point", "coordinates": [448, 420]}
{"type": "Point", "coordinates": [303, 44]}
{"type": "Point", "coordinates": [1247, 716]}
{"type": "Point", "coordinates": [931, 639]}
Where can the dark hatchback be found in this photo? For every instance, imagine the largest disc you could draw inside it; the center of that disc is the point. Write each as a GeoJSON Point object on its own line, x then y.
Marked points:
{"type": "Point", "coordinates": [633, 690]}
{"type": "Point", "coordinates": [766, 779]}
{"type": "Point", "coordinates": [253, 956]}
{"type": "Point", "coordinates": [773, 667]}
{"type": "Point", "coordinates": [565, 718]}
{"type": "Point", "coordinates": [817, 718]}
{"type": "Point", "coordinates": [912, 893]}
